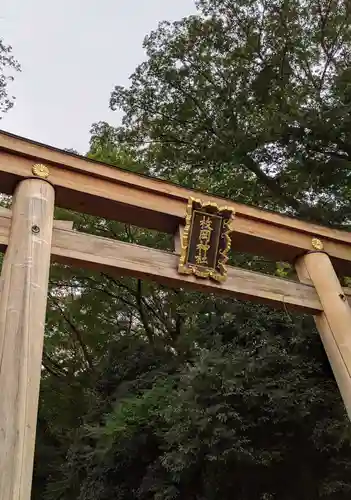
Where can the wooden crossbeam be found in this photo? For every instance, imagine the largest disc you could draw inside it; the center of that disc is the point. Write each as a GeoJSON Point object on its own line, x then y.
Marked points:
{"type": "Point", "coordinates": [98, 189]}
{"type": "Point", "coordinates": [103, 254]}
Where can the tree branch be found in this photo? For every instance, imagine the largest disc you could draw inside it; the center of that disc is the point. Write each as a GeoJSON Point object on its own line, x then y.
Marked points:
{"type": "Point", "coordinates": [77, 333]}
{"type": "Point", "coordinates": [55, 366]}
{"type": "Point", "coordinates": [143, 316]}
{"type": "Point", "coordinates": [270, 183]}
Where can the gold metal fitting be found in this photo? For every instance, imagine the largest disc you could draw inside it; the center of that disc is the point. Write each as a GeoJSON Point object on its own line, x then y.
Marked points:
{"type": "Point", "coordinates": [317, 244]}
{"type": "Point", "coordinates": [41, 170]}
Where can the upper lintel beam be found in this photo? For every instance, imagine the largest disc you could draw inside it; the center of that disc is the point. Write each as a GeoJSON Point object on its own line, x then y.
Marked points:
{"type": "Point", "coordinates": [103, 190]}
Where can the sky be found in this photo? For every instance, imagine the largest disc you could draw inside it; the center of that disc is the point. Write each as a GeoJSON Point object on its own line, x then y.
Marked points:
{"type": "Point", "coordinates": [72, 53]}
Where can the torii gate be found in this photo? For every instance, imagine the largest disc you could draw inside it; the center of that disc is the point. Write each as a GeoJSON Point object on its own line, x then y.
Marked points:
{"type": "Point", "coordinates": [39, 176]}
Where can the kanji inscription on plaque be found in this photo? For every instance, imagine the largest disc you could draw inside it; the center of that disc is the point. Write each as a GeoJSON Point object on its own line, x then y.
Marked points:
{"type": "Point", "coordinates": [206, 240]}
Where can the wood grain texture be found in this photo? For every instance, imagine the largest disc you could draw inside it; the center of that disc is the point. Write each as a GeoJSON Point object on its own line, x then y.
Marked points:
{"type": "Point", "coordinates": [177, 239]}
{"type": "Point", "coordinates": [126, 259]}
{"type": "Point", "coordinates": [23, 299]}
{"type": "Point", "coordinates": [103, 254]}
{"type": "Point", "coordinates": [107, 191]}
{"type": "Point", "coordinates": [334, 322]}
{"type": "Point", "coordinates": [5, 224]}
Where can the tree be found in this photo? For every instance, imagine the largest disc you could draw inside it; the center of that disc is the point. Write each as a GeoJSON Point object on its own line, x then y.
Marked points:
{"type": "Point", "coordinates": [255, 93]}
{"type": "Point", "coordinates": [8, 65]}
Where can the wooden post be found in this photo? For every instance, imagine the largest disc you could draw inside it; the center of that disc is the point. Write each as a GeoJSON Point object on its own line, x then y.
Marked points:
{"type": "Point", "coordinates": [334, 324]}
{"type": "Point", "coordinates": [23, 299]}
{"type": "Point", "coordinates": [177, 239]}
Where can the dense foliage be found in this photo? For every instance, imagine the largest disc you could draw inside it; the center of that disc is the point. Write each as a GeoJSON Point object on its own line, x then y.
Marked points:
{"type": "Point", "coordinates": [250, 99]}
{"type": "Point", "coordinates": [152, 393]}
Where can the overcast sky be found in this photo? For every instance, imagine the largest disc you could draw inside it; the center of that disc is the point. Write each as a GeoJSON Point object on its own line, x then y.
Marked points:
{"type": "Point", "coordinates": [72, 54]}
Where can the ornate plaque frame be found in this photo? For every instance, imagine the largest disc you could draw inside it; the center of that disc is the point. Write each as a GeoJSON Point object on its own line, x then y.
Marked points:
{"type": "Point", "coordinates": [212, 214]}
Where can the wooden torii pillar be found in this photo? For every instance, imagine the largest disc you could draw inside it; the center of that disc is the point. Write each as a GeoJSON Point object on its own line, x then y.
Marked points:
{"type": "Point", "coordinates": [334, 322]}
{"type": "Point", "coordinates": [30, 237]}
{"type": "Point", "coordinates": [24, 278]}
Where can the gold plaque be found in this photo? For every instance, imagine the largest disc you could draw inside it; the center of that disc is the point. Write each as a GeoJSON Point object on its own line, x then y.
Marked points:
{"type": "Point", "coordinates": [41, 170]}
{"type": "Point", "coordinates": [206, 241]}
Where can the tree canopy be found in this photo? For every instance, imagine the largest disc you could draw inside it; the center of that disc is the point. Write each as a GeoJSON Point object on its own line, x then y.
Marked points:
{"type": "Point", "coordinates": [250, 99]}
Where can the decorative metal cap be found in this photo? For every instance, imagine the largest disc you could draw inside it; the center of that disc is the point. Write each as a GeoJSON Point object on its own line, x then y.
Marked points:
{"type": "Point", "coordinates": [41, 170]}
{"type": "Point", "coordinates": [317, 244]}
